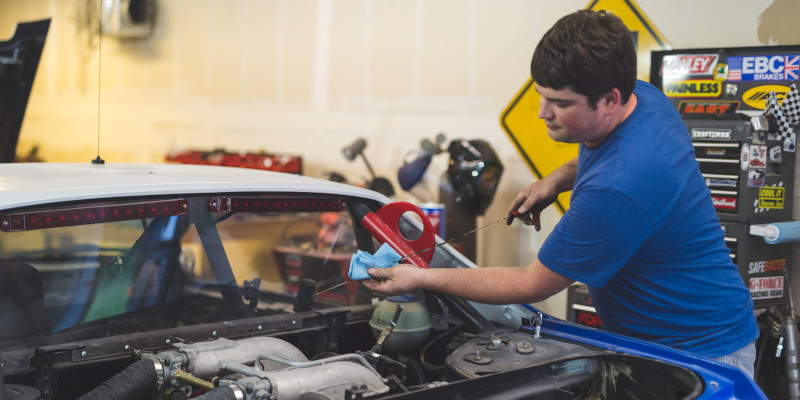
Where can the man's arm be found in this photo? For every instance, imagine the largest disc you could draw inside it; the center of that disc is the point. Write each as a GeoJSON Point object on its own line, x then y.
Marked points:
{"type": "Point", "coordinates": [492, 285]}
{"type": "Point", "coordinates": [539, 194]}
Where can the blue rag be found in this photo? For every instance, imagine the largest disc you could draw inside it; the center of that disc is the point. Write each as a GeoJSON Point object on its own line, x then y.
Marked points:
{"type": "Point", "coordinates": [360, 262]}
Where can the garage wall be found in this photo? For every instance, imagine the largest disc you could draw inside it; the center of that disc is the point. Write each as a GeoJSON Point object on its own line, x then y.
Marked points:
{"type": "Point", "coordinates": [307, 77]}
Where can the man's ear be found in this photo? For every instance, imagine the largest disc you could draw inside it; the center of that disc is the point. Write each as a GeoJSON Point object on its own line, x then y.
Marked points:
{"type": "Point", "coordinates": [611, 100]}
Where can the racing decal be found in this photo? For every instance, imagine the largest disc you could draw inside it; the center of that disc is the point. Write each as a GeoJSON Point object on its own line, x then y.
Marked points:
{"type": "Point", "coordinates": [756, 97]}
{"type": "Point", "coordinates": [771, 197]}
{"type": "Point", "coordinates": [755, 178]}
{"type": "Point", "coordinates": [721, 72]}
{"type": "Point", "coordinates": [725, 203]}
{"type": "Point", "coordinates": [712, 134]}
{"type": "Point", "coordinates": [760, 267]}
{"type": "Point", "coordinates": [716, 182]}
{"type": "Point", "coordinates": [707, 107]}
{"type": "Point", "coordinates": [757, 208]}
{"type": "Point", "coordinates": [775, 153]}
{"type": "Point", "coordinates": [716, 152]}
{"type": "Point", "coordinates": [758, 157]}
{"type": "Point", "coordinates": [764, 68]}
{"type": "Point", "coordinates": [744, 159]}
{"type": "Point", "coordinates": [769, 287]}
{"type": "Point", "coordinates": [689, 64]}
{"type": "Point", "coordinates": [589, 319]}
{"type": "Point", "coordinates": [693, 88]}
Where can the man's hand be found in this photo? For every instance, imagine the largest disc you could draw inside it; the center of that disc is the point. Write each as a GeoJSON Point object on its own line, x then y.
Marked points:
{"type": "Point", "coordinates": [535, 197]}
{"type": "Point", "coordinates": [396, 280]}
{"type": "Point", "coordinates": [531, 200]}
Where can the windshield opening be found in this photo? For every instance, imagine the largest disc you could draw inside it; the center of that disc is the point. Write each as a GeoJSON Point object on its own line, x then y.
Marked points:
{"type": "Point", "coordinates": [98, 279]}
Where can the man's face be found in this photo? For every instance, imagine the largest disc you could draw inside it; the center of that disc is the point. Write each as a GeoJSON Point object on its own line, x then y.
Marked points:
{"type": "Point", "coordinates": [568, 116]}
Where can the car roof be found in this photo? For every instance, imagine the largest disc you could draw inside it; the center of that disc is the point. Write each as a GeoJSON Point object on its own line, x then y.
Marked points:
{"type": "Point", "coordinates": [27, 184]}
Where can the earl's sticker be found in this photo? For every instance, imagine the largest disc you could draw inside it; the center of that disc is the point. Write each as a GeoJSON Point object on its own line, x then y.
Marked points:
{"type": "Point", "coordinates": [771, 197]}
{"type": "Point", "coordinates": [693, 88]}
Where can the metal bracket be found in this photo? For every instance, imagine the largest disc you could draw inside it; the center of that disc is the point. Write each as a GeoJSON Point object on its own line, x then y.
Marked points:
{"type": "Point", "coordinates": [43, 361]}
{"type": "Point", "coordinates": [335, 321]}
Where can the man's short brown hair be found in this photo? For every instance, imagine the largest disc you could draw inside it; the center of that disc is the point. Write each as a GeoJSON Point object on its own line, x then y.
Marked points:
{"type": "Point", "coordinates": [589, 52]}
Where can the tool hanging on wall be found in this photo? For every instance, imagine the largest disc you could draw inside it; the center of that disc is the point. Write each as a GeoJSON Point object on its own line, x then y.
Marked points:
{"type": "Point", "coordinates": [378, 184]}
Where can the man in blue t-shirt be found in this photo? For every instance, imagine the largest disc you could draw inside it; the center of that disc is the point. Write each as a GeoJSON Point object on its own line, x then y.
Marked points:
{"type": "Point", "coordinates": [641, 231]}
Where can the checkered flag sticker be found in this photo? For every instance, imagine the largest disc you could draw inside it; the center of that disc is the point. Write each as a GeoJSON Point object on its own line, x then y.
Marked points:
{"type": "Point", "coordinates": [791, 104]}
{"type": "Point", "coordinates": [785, 123]}
{"type": "Point", "coordinates": [772, 107]}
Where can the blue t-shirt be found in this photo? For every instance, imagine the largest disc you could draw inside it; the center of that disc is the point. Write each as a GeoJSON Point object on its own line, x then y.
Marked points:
{"type": "Point", "coordinates": [642, 233]}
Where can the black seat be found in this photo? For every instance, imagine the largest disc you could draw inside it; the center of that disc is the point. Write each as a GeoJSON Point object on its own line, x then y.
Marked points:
{"type": "Point", "coordinates": [22, 312]}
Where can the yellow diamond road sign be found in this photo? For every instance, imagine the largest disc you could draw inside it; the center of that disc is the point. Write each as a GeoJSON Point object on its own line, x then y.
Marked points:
{"type": "Point", "coordinates": [528, 132]}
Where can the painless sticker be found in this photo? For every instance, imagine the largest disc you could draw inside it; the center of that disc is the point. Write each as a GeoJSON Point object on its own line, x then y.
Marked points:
{"type": "Point", "coordinates": [693, 88]}
{"type": "Point", "coordinates": [770, 287]}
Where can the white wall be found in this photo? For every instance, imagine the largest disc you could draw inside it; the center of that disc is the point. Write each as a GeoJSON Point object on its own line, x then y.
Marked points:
{"type": "Point", "coordinates": [307, 77]}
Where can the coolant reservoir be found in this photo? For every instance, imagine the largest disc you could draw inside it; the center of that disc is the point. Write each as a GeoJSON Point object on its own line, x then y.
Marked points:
{"type": "Point", "coordinates": [412, 327]}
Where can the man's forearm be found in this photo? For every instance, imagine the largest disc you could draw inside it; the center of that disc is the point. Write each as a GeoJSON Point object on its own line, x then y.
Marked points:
{"type": "Point", "coordinates": [495, 285]}
{"type": "Point", "coordinates": [564, 176]}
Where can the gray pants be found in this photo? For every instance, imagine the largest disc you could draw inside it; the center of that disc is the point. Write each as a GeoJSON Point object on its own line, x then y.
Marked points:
{"type": "Point", "coordinates": [744, 359]}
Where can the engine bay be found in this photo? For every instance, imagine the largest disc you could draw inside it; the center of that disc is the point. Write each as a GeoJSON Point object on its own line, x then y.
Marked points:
{"type": "Point", "coordinates": [248, 297]}
{"type": "Point", "coordinates": [341, 354]}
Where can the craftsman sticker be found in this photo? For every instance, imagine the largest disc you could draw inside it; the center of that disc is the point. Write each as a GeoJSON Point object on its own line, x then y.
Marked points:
{"type": "Point", "coordinates": [693, 88]}
{"type": "Point", "coordinates": [723, 135]}
{"type": "Point", "coordinates": [689, 64]}
{"type": "Point", "coordinates": [764, 68]}
{"type": "Point", "coordinates": [691, 107]}
{"type": "Point", "coordinates": [756, 97]}
{"type": "Point", "coordinates": [771, 197]}
{"type": "Point", "coordinates": [760, 267]}
{"type": "Point", "coordinates": [770, 287]}
{"type": "Point", "coordinates": [725, 203]}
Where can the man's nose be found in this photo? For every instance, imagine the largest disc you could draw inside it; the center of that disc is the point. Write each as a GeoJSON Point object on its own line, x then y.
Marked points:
{"type": "Point", "coordinates": [545, 110]}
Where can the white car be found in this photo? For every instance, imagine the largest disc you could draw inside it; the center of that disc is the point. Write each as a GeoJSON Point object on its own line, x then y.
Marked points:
{"type": "Point", "coordinates": [175, 282]}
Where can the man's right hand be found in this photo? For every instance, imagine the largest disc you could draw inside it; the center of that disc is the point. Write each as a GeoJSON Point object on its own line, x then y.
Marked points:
{"type": "Point", "coordinates": [531, 200]}
{"type": "Point", "coordinates": [538, 195]}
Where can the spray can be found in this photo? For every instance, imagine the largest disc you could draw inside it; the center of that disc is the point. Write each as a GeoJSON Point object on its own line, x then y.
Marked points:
{"type": "Point", "coordinates": [435, 213]}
